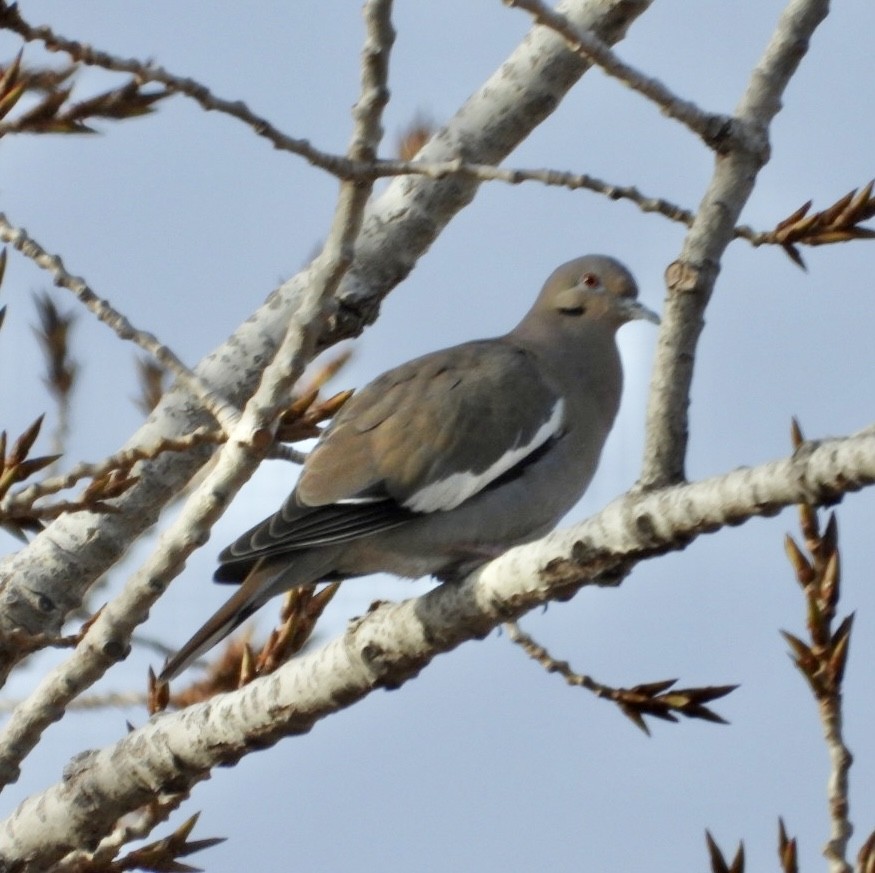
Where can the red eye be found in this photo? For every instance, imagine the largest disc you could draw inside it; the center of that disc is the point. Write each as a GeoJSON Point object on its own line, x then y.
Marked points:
{"type": "Point", "coordinates": [590, 280]}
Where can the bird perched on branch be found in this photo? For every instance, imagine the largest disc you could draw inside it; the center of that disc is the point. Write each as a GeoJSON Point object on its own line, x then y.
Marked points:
{"type": "Point", "coordinates": [444, 462]}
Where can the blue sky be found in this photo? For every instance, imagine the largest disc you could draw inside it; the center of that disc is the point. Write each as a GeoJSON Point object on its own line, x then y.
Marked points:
{"type": "Point", "coordinates": [186, 221]}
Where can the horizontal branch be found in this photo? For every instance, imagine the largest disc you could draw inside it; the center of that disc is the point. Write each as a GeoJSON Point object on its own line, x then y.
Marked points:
{"type": "Point", "coordinates": [395, 641]}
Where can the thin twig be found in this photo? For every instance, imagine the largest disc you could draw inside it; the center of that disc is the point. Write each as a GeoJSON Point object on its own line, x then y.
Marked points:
{"type": "Point", "coordinates": [715, 130]}
{"type": "Point", "coordinates": [539, 653]}
{"type": "Point", "coordinates": [104, 311]}
{"type": "Point", "coordinates": [822, 659]}
{"type": "Point", "coordinates": [122, 462]}
{"type": "Point", "coordinates": [840, 760]}
{"type": "Point", "coordinates": [660, 699]}
{"type": "Point", "coordinates": [348, 166]}
{"type": "Point", "coordinates": [11, 19]}
{"type": "Point", "coordinates": [109, 700]}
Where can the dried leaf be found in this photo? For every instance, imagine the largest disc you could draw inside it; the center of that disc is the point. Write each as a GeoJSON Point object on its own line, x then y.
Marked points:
{"type": "Point", "coordinates": [161, 856]}
{"type": "Point", "coordinates": [830, 535]}
{"type": "Point", "coordinates": [415, 136]}
{"type": "Point", "coordinates": [127, 101]}
{"type": "Point", "coordinates": [829, 583]}
{"type": "Point", "coordinates": [25, 442]}
{"type": "Point", "coordinates": [797, 438]}
{"type": "Point", "coordinates": [801, 653]}
{"type": "Point", "coordinates": [651, 689]}
{"type": "Point", "coordinates": [795, 255]}
{"type": "Point", "coordinates": [330, 368]}
{"type": "Point", "coordinates": [46, 109]}
{"type": "Point", "coordinates": [27, 468]}
{"type": "Point", "coordinates": [301, 404]}
{"type": "Point", "coordinates": [832, 213]}
{"type": "Point", "coordinates": [801, 567]}
{"type": "Point", "coordinates": [786, 850]}
{"type": "Point", "coordinates": [111, 484]}
{"type": "Point", "coordinates": [791, 219]}
{"type": "Point", "coordinates": [635, 717]}
{"type": "Point", "coordinates": [247, 665]}
{"type": "Point", "coordinates": [158, 694]}
{"type": "Point", "coordinates": [10, 98]}
{"type": "Point", "coordinates": [841, 642]}
{"type": "Point", "coordinates": [839, 222]}
{"type": "Point", "coordinates": [718, 862]}
{"type": "Point", "coordinates": [301, 419]}
{"type": "Point", "coordinates": [152, 377]}
{"type": "Point", "coordinates": [11, 73]}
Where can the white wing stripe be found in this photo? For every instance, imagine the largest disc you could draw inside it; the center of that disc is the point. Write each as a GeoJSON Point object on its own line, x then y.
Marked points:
{"type": "Point", "coordinates": [457, 488]}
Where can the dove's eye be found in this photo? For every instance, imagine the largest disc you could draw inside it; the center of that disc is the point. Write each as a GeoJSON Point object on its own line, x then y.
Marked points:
{"type": "Point", "coordinates": [590, 280]}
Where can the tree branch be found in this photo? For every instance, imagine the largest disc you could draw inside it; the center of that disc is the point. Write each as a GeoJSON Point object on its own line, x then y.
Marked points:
{"type": "Point", "coordinates": [19, 239]}
{"type": "Point", "coordinates": [713, 129]}
{"type": "Point", "coordinates": [394, 642]}
{"type": "Point", "coordinates": [690, 279]}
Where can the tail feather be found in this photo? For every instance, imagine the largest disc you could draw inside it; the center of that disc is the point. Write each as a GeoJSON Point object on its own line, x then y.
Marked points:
{"type": "Point", "coordinates": [266, 578]}
{"type": "Point", "coordinates": [250, 597]}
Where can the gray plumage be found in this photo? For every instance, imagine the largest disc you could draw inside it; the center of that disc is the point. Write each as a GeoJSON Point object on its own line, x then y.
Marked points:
{"type": "Point", "coordinates": [446, 461]}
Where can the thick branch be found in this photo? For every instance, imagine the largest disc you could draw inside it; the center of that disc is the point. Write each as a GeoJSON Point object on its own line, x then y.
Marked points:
{"type": "Point", "coordinates": [395, 641]}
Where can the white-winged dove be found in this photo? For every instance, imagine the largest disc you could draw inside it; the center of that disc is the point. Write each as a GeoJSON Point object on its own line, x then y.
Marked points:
{"type": "Point", "coordinates": [446, 461]}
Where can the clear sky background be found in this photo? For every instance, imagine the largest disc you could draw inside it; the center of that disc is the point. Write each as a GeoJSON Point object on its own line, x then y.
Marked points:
{"type": "Point", "coordinates": [186, 220]}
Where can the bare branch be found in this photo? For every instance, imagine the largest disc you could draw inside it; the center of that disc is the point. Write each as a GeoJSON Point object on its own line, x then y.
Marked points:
{"type": "Point", "coordinates": [715, 130]}
{"type": "Point", "coordinates": [690, 279]}
{"type": "Point", "coordinates": [394, 642]}
{"type": "Point", "coordinates": [103, 310]}
{"type": "Point", "coordinates": [821, 659]}
{"type": "Point", "coordinates": [658, 699]}
{"type": "Point", "coordinates": [109, 700]}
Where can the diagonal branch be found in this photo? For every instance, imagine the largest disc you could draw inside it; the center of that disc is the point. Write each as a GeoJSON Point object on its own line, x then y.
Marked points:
{"type": "Point", "coordinates": [394, 642]}
{"type": "Point", "coordinates": [19, 239]}
{"type": "Point", "coordinates": [12, 20]}
{"type": "Point", "coordinates": [715, 130]}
